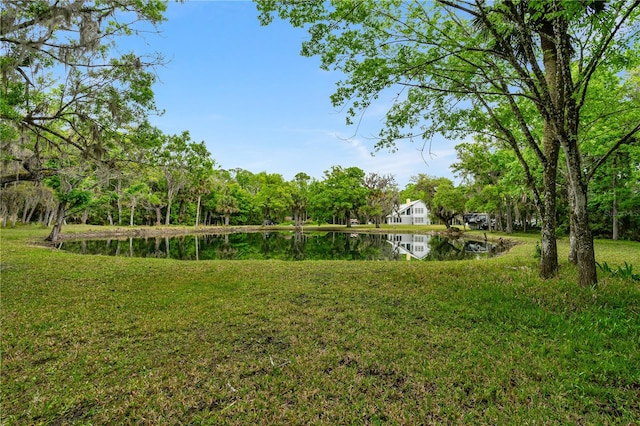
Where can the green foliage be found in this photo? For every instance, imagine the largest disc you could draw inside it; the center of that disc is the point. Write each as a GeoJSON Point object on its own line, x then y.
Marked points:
{"type": "Point", "coordinates": [448, 202]}
{"type": "Point", "coordinates": [340, 194]}
{"type": "Point", "coordinates": [625, 271]}
{"type": "Point", "coordinates": [63, 89]}
{"type": "Point", "coordinates": [537, 254]}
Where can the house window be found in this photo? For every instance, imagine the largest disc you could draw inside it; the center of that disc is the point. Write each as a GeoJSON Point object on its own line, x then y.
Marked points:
{"type": "Point", "coordinates": [418, 239]}
{"type": "Point", "coordinates": [418, 248]}
{"type": "Point", "coordinates": [418, 210]}
{"type": "Point", "coordinates": [419, 220]}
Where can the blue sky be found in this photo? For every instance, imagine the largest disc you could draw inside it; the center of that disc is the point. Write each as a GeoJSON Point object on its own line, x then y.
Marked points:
{"type": "Point", "coordinates": [245, 90]}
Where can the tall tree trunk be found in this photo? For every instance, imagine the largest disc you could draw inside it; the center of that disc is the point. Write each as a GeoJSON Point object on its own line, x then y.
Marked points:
{"type": "Point", "coordinates": [57, 226]}
{"type": "Point", "coordinates": [551, 146]}
{"type": "Point", "coordinates": [297, 219]}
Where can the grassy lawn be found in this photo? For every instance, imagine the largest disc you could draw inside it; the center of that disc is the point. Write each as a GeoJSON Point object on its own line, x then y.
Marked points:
{"type": "Point", "coordinates": [105, 340]}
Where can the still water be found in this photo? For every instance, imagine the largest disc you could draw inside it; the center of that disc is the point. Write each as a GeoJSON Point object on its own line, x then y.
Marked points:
{"type": "Point", "coordinates": [290, 246]}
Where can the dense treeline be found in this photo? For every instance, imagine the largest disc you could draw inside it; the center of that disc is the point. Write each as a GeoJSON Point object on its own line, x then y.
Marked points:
{"type": "Point", "coordinates": [191, 190]}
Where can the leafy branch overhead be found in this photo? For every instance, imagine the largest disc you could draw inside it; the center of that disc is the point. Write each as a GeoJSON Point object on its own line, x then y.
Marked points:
{"type": "Point", "coordinates": [65, 91]}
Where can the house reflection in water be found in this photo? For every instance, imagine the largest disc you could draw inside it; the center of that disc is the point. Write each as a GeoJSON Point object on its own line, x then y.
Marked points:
{"type": "Point", "coordinates": [422, 246]}
{"type": "Point", "coordinates": [411, 245]}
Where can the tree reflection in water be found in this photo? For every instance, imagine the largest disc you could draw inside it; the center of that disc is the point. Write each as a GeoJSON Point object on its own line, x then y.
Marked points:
{"type": "Point", "coordinates": [292, 246]}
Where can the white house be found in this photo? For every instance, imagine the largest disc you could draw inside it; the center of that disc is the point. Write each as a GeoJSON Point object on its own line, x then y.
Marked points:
{"type": "Point", "coordinates": [410, 213]}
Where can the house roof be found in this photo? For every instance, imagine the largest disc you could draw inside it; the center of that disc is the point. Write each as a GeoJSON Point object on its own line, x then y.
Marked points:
{"type": "Point", "coordinates": [405, 206]}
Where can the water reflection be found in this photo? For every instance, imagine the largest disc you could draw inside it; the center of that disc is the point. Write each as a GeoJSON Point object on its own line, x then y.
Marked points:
{"type": "Point", "coordinates": [290, 246]}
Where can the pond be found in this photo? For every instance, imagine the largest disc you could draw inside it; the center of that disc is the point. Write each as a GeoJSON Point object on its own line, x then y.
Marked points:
{"type": "Point", "coordinates": [290, 246]}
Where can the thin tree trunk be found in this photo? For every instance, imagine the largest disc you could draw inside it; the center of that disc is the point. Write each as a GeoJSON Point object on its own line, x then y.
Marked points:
{"type": "Point", "coordinates": [585, 253]}
{"type": "Point", "coordinates": [198, 210]}
{"type": "Point", "coordinates": [119, 200]}
{"type": "Point", "coordinates": [133, 209]}
{"type": "Point", "coordinates": [509, 214]}
{"type": "Point", "coordinates": [30, 215]}
{"type": "Point", "coordinates": [573, 242]}
{"type": "Point", "coordinates": [614, 209]}
{"type": "Point", "coordinates": [48, 217]}
{"type": "Point", "coordinates": [167, 219]}
{"type": "Point", "coordinates": [25, 211]}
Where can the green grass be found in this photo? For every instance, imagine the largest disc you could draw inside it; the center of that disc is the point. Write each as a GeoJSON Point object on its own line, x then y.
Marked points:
{"type": "Point", "coordinates": [105, 340]}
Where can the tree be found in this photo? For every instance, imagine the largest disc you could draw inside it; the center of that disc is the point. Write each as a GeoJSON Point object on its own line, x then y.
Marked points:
{"type": "Point", "coordinates": [614, 199]}
{"type": "Point", "coordinates": [300, 198]}
{"type": "Point", "coordinates": [448, 202]}
{"type": "Point", "coordinates": [320, 206]}
{"type": "Point", "coordinates": [459, 63]}
{"type": "Point", "coordinates": [201, 174]}
{"type": "Point", "coordinates": [182, 162]}
{"type": "Point", "coordinates": [273, 197]}
{"type": "Point", "coordinates": [342, 192]}
{"type": "Point", "coordinates": [382, 197]}
{"type": "Point", "coordinates": [134, 194]}
{"type": "Point", "coordinates": [227, 205]}
{"type": "Point", "coordinates": [73, 192]}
